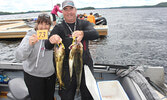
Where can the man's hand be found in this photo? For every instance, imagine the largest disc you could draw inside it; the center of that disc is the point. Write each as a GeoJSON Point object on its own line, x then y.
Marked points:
{"type": "Point", "coordinates": [79, 35]}
{"type": "Point", "coordinates": [55, 39]}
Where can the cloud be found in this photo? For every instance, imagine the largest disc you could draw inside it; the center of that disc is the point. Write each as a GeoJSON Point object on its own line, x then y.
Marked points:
{"type": "Point", "coordinates": [34, 5]}
{"type": "Point", "coordinates": [114, 3]}
{"type": "Point", "coordinates": [24, 5]}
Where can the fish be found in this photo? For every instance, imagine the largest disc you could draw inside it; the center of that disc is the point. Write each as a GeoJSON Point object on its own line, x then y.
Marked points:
{"type": "Point", "coordinates": [71, 61]}
{"type": "Point", "coordinates": [71, 57]}
{"type": "Point", "coordinates": [76, 62]}
{"type": "Point", "coordinates": [78, 65]}
{"type": "Point", "coordinates": [59, 53]}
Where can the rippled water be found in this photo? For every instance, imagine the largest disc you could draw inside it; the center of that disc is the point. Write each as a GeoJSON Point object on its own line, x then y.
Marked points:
{"type": "Point", "coordinates": [135, 36]}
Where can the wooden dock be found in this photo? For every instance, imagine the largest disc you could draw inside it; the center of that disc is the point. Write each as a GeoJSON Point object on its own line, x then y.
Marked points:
{"type": "Point", "coordinates": [18, 28]}
{"type": "Point", "coordinates": [13, 28]}
{"type": "Point", "coordinates": [102, 29]}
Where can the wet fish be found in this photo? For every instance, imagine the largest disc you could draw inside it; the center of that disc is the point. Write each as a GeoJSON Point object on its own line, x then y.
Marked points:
{"type": "Point", "coordinates": [71, 57]}
{"type": "Point", "coordinates": [59, 57]}
{"type": "Point", "coordinates": [71, 62]}
{"type": "Point", "coordinates": [76, 62]}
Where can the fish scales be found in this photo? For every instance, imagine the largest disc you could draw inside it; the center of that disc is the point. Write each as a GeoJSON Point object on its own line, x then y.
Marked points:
{"type": "Point", "coordinates": [75, 59]}
{"type": "Point", "coordinates": [78, 65]}
{"type": "Point", "coordinates": [59, 57]}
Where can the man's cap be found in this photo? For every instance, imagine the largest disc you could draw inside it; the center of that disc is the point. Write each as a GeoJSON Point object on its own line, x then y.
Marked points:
{"type": "Point", "coordinates": [68, 3]}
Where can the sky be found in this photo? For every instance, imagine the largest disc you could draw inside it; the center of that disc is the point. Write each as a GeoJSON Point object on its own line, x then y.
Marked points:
{"type": "Point", "coordinates": [39, 5]}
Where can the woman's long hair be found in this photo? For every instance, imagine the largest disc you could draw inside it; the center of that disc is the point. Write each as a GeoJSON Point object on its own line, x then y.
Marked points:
{"type": "Point", "coordinates": [43, 18]}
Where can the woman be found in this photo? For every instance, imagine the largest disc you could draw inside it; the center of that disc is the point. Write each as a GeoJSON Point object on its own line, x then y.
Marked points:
{"type": "Point", "coordinates": [54, 13]}
{"type": "Point", "coordinates": [39, 72]}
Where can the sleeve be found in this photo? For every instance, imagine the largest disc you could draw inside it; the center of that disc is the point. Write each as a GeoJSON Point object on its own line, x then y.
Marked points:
{"type": "Point", "coordinates": [24, 49]}
{"type": "Point", "coordinates": [59, 10]}
{"type": "Point", "coordinates": [90, 32]}
{"type": "Point", "coordinates": [48, 45]}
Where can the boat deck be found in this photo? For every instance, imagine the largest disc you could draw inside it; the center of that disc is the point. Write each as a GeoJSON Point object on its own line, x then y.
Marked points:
{"type": "Point", "coordinates": [102, 73]}
{"type": "Point", "coordinates": [15, 70]}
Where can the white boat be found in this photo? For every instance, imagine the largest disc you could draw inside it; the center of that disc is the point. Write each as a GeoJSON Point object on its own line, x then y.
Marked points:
{"type": "Point", "coordinates": [123, 82]}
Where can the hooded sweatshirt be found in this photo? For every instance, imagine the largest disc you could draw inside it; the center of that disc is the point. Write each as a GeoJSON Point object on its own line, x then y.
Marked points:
{"type": "Point", "coordinates": [36, 60]}
{"type": "Point", "coordinates": [55, 10]}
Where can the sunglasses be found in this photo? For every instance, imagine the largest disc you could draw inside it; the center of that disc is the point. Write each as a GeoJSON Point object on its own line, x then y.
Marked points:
{"type": "Point", "coordinates": [43, 16]}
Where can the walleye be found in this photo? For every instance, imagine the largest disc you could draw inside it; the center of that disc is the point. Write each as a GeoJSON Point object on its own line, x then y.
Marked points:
{"type": "Point", "coordinates": [59, 57]}
{"type": "Point", "coordinates": [76, 62]}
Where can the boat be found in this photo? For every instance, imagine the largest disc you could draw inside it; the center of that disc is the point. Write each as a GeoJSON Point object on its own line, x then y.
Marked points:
{"type": "Point", "coordinates": [100, 23]}
{"type": "Point", "coordinates": [17, 28]}
{"type": "Point", "coordinates": [102, 30]}
{"type": "Point", "coordinates": [124, 82]}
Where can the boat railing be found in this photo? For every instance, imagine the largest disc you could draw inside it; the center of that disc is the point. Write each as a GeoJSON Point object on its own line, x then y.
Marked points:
{"type": "Point", "coordinates": [97, 66]}
{"type": "Point", "coordinates": [11, 66]}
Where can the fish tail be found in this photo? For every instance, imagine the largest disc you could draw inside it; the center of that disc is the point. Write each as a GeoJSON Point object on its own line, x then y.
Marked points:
{"type": "Point", "coordinates": [61, 85]}
{"type": "Point", "coordinates": [77, 91]}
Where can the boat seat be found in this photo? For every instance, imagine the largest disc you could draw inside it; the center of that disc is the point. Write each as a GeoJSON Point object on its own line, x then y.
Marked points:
{"type": "Point", "coordinates": [18, 89]}
{"type": "Point", "coordinates": [132, 90]}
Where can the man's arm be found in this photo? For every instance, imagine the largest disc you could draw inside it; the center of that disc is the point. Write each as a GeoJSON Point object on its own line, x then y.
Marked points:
{"type": "Point", "coordinates": [90, 32]}
{"type": "Point", "coordinates": [48, 45]}
{"type": "Point", "coordinates": [53, 38]}
{"type": "Point", "coordinates": [59, 10]}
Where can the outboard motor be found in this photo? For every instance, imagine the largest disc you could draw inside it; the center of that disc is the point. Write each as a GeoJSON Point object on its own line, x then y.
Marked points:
{"type": "Point", "coordinates": [101, 21]}
{"type": "Point", "coordinates": [18, 89]}
{"type": "Point", "coordinates": [96, 15]}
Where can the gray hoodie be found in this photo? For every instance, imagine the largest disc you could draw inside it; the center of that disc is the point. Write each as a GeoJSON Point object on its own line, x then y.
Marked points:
{"type": "Point", "coordinates": [37, 60]}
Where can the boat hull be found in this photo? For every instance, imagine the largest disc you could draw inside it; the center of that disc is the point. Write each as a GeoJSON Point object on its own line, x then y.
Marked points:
{"type": "Point", "coordinates": [101, 73]}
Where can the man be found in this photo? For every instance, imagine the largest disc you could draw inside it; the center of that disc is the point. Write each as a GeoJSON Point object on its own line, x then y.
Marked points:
{"type": "Point", "coordinates": [91, 18]}
{"type": "Point", "coordinates": [84, 31]}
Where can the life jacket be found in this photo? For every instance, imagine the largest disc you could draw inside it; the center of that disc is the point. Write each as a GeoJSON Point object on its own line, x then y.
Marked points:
{"type": "Point", "coordinates": [91, 19]}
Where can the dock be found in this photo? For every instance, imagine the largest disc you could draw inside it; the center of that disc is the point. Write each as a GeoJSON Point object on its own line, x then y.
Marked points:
{"type": "Point", "coordinates": [18, 28]}
{"type": "Point", "coordinates": [102, 29]}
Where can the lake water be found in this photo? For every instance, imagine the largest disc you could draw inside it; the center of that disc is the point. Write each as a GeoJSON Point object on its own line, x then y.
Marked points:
{"type": "Point", "coordinates": [135, 36]}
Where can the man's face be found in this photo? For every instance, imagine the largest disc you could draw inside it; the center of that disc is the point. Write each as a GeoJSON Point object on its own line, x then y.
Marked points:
{"type": "Point", "coordinates": [69, 14]}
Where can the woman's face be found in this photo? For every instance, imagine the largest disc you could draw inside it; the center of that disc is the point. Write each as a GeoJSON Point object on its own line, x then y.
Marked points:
{"type": "Point", "coordinates": [43, 26]}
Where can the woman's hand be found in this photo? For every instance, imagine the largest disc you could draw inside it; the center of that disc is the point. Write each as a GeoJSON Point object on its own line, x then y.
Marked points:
{"type": "Point", "coordinates": [55, 39]}
{"type": "Point", "coordinates": [33, 39]}
{"type": "Point", "coordinates": [79, 35]}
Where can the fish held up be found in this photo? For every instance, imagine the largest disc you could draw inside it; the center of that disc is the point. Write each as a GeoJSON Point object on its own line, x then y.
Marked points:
{"type": "Point", "coordinates": [59, 53]}
{"type": "Point", "coordinates": [76, 62]}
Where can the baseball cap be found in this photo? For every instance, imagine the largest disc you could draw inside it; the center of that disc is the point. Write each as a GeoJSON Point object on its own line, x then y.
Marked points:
{"type": "Point", "coordinates": [68, 3]}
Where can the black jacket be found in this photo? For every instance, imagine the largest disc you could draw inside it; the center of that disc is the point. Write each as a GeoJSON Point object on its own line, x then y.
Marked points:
{"type": "Point", "coordinates": [64, 32]}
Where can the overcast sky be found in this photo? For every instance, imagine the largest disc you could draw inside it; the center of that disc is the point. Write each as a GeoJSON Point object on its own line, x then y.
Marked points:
{"type": "Point", "coordinates": [34, 5]}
